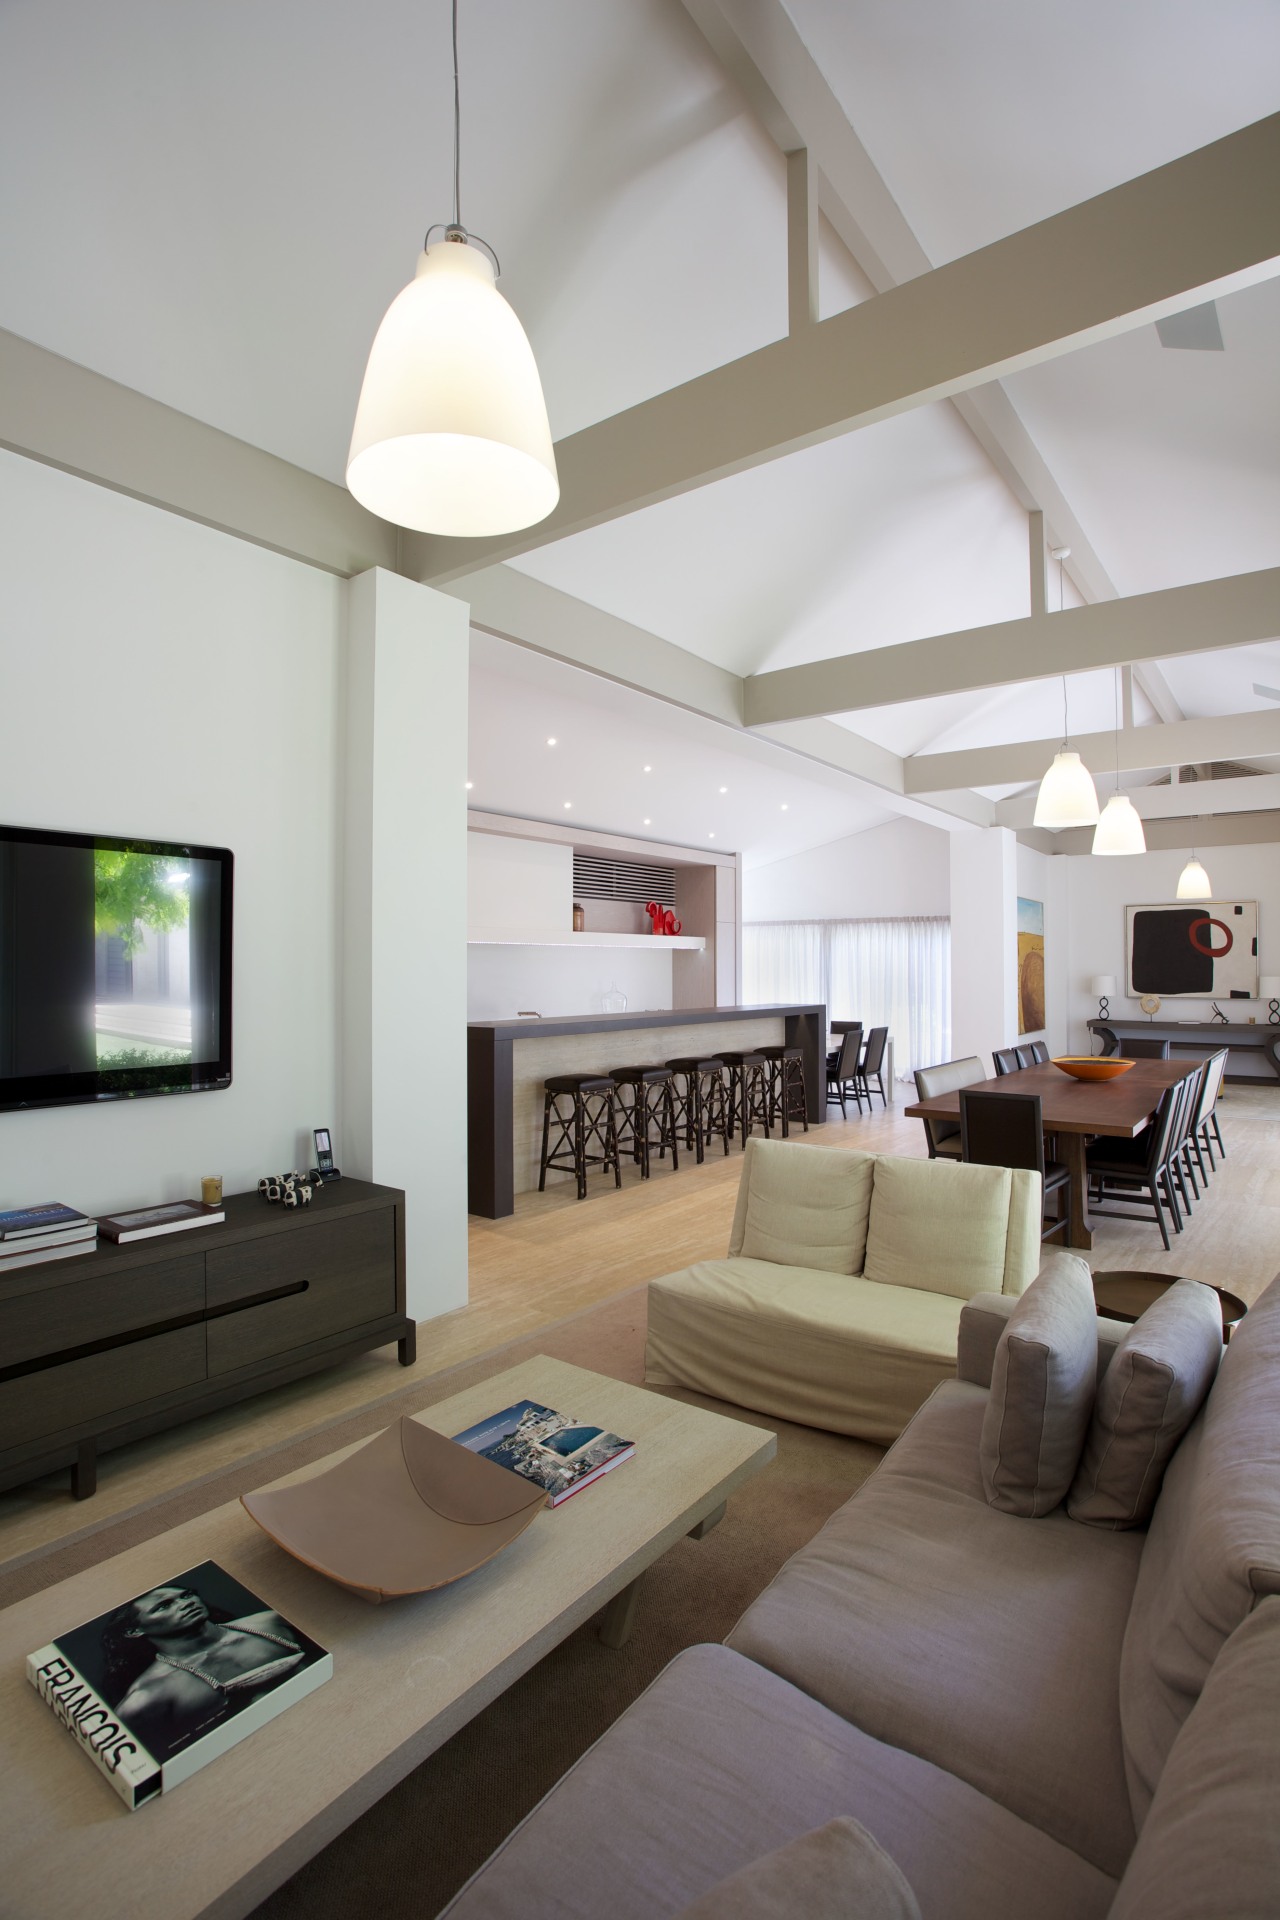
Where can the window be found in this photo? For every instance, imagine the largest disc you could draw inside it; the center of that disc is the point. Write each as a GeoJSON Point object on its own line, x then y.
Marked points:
{"type": "Point", "coordinates": [886, 973]}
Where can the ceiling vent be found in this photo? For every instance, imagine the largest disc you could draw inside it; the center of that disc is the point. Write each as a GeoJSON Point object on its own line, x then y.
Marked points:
{"type": "Point", "coordinates": [598, 878]}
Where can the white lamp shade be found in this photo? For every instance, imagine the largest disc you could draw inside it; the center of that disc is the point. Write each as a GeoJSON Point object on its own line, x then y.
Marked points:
{"type": "Point", "coordinates": [1120, 828]}
{"type": "Point", "coordinates": [1193, 882]}
{"type": "Point", "coordinates": [451, 432]}
{"type": "Point", "coordinates": [1067, 797]}
{"type": "Point", "coordinates": [1269, 986]}
{"type": "Point", "coordinates": [1102, 985]}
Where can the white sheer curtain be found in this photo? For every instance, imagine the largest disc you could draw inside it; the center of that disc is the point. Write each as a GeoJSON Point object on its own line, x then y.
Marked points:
{"type": "Point", "coordinates": [886, 973]}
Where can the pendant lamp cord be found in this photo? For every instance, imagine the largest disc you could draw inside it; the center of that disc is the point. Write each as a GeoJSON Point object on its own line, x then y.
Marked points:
{"type": "Point", "coordinates": [1116, 690]}
{"type": "Point", "coordinates": [457, 125]}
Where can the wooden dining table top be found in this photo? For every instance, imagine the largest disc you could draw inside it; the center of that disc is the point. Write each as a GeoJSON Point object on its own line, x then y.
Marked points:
{"type": "Point", "coordinates": [1118, 1108]}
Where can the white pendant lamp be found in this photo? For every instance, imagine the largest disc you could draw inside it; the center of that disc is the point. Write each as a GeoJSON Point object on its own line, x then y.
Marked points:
{"type": "Point", "coordinates": [1119, 830]}
{"type": "Point", "coordinates": [1067, 797]}
{"type": "Point", "coordinates": [1193, 881]}
{"type": "Point", "coordinates": [451, 433]}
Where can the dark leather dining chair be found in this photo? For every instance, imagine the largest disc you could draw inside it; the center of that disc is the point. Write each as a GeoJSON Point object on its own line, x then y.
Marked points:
{"type": "Point", "coordinates": [1005, 1060]}
{"type": "Point", "coordinates": [942, 1136]}
{"type": "Point", "coordinates": [1131, 1170]}
{"type": "Point", "coordinates": [842, 1069]}
{"type": "Point", "coordinates": [1026, 1055]}
{"type": "Point", "coordinates": [1006, 1130]}
{"type": "Point", "coordinates": [1152, 1049]}
{"type": "Point", "coordinates": [1040, 1053]}
{"type": "Point", "coordinates": [872, 1065]}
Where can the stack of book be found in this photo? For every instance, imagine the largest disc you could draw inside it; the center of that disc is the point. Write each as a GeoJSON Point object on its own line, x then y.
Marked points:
{"type": "Point", "coordinates": [48, 1232]}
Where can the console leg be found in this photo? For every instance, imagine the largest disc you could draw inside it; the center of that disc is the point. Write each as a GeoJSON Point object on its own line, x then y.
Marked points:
{"type": "Point", "coordinates": [84, 1474]}
{"type": "Point", "coordinates": [620, 1616]}
{"type": "Point", "coordinates": [407, 1348]}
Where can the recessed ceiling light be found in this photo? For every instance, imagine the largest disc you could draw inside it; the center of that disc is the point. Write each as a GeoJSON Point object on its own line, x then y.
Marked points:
{"type": "Point", "coordinates": [567, 805]}
{"type": "Point", "coordinates": [551, 741]}
{"type": "Point", "coordinates": [711, 836]}
{"type": "Point", "coordinates": [784, 806]}
{"type": "Point", "coordinates": [648, 769]}
{"type": "Point", "coordinates": [724, 789]}
{"type": "Point", "coordinates": [648, 823]}
{"type": "Point", "coordinates": [470, 784]}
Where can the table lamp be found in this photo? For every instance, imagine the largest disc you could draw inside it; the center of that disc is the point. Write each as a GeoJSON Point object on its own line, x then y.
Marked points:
{"type": "Point", "coordinates": [1269, 990]}
{"type": "Point", "coordinates": [1104, 985]}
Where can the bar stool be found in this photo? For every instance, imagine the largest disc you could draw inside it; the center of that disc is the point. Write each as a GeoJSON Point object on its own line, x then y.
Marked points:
{"type": "Point", "coordinates": [701, 1110]}
{"type": "Point", "coordinates": [648, 1119]}
{"type": "Point", "coordinates": [788, 1095]}
{"type": "Point", "coordinates": [590, 1120]}
{"type": "Point", "coordinates": [749, 1075]}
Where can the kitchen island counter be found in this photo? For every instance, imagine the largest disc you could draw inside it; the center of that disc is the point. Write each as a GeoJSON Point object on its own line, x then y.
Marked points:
{"type": "Point", "coordinates": [507, 1061]}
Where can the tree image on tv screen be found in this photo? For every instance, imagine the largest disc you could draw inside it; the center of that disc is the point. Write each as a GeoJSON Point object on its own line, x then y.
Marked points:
{"type": "Point", "coordinates": [142, 908]}
{"type": "Point", "coordinates": [132, 891]}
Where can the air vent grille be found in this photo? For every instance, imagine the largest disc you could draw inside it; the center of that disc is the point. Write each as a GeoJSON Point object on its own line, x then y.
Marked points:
{"type": "Point", "coordinates": [596, 877]}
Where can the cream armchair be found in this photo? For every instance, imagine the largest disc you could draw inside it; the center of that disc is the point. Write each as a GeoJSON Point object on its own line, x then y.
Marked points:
{"type": "Point", "coordinates": [839, 1303]}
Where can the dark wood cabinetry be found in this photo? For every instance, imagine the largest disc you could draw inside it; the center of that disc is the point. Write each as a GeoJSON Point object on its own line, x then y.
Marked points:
{"type": "Point", "coordinates": [113, 1344]}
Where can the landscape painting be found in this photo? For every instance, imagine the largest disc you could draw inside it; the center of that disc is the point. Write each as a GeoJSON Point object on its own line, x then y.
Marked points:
{"type": "Point", "coordinates": [1205, 951]}
{"type": "Point", "coordinates": [1030, 966]}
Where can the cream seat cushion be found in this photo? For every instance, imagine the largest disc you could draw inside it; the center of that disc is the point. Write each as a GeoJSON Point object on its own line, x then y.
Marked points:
{"type": "Point", "coordinates": [803, 1206]}
{"type": "Point", "coordinates": [952, 1228]}
{"type": "Point", "coordinates": [838, 1352]}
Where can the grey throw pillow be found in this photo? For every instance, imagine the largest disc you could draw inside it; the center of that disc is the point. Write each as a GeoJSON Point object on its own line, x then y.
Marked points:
{"type": "Point", "coordinates": [828, 1874]}
{"type": "Point", "coordinates": [1157, 1382]}
{"type": "Point", "coordinates": [1042, 1385]}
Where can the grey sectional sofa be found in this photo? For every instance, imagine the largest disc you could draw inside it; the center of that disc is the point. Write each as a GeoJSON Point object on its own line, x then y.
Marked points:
{"type": "Point", "coordinates": [1031, 1717]}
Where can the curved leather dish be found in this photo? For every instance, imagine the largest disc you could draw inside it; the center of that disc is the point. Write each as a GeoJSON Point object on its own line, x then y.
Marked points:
{"type": "Point", "coordinates": [408, 1511]}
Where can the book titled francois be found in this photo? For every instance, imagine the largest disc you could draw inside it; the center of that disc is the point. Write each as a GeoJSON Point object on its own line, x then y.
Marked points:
{"type": "Point", "coordinates": [155, 1689]}
{"type": "Point", "coordinates": [547, 1447]}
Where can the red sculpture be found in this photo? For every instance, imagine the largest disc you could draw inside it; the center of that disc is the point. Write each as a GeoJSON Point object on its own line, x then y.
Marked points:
{"type": "Point", "coordinates": [664, 921]}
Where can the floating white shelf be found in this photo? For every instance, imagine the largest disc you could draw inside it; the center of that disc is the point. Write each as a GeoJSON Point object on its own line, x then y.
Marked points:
{"type": "Point", "coordinates": [651, 942]}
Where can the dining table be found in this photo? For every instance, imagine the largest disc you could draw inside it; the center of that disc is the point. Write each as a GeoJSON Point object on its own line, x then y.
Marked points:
{"type": "Point", "coordinates": [1075, 1112]}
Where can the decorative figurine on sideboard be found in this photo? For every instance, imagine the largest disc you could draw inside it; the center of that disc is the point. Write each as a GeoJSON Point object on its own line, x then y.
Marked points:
{"type": "Point", "coordinates": [664, 921]}
{"type": "Point", "coordinates": [287, 1189]}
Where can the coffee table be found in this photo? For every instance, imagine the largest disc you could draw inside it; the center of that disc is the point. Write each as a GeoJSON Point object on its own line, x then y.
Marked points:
{"type": "Point", "coordinates": [406, 1675]}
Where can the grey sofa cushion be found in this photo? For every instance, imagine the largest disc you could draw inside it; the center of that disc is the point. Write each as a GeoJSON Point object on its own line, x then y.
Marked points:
{"type": "Point", "coordinates": [828, 1874]}
{"type": "Point", "coordinates": [1211, 1842]}
{"type": "Point", "coordinates": [720, 1762]}
{"type": "Point", "coordinates": [1042, 1386]}
{"type": "Point", "coordinates": [1152, 1391]}
{"type": "Point", "coordinates": [1212, 1549]}
{"type": "Point", "coordinates": [985, 1645]}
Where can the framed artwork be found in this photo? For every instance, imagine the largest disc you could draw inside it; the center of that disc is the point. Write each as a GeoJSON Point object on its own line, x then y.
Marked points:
{"type": "Point", "coordinates": [1030, 966]}
{"type": "Point", "coordinates": [1202, 951]}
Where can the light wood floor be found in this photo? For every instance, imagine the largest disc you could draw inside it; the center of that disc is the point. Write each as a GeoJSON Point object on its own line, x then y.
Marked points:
{"type": "Point", "coordinates": [556, 1257]}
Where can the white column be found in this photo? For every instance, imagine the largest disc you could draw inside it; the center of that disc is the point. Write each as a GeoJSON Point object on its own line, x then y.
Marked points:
{"type": "Point", "coordinates": [984, 942]}
{"type": "Point", "coordinates": [404, 920]}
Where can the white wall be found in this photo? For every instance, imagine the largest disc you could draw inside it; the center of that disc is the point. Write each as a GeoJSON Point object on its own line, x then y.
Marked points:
{"type": "Point", "coordinates": [1099, 890]}
{"type": "Point", "coordinates": [892, 872]}
{"type": "Point", "coordinates": [518, 886]}
{"type": "Point", "coordinates": [158, 678]}
{"type": "Point", "coordinates": [505, 981]}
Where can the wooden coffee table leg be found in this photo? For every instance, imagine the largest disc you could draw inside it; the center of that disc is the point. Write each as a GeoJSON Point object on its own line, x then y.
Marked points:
{"type": "Point", "coordinates": [1071, 1146]}
{"type": "Point", "coordinates": [620, 1616]}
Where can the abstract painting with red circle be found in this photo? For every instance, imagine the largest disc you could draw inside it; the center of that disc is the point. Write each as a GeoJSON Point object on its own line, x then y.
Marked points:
{"type": "Point", "coordinates": [1202, 951]}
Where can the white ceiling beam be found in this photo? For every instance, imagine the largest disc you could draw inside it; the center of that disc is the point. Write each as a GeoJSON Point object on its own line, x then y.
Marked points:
{"type": "Point", "coordinates": [1233, 736]}
{"type": "Point", "coordinates": [757, 43]}
{"type": "Point", "coordinates": [1164, 836]}
{"type": "Point", "coordinates": [1148, 676]}
{"type": "Point", "coordinates": [1192, 800]}
{"type": "Point", "coordinates": [835, 746]}
{"type": "Point", "coordinates": [1204, 224]}
{"type": "Point", "coordinates": [1238, 611]}
{"type": "Point", "coordinates": [69, 417]}
{"type": "Point", "coordinates": [802, 241]}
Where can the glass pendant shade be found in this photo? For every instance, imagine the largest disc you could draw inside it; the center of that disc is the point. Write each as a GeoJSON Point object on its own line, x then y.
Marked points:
{"type": "Point", "coordinates": [1067, 797]}
{"type": "Point", "coordinates": [451, 434]}
{"type": "Point", "coordinates": [1193, 882]}
{"type": "Point", "coordinates": [1120, 828]}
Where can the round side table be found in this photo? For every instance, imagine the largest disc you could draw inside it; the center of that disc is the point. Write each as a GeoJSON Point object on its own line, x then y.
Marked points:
{"type": "Point", "coordinates": [1125, 1296]}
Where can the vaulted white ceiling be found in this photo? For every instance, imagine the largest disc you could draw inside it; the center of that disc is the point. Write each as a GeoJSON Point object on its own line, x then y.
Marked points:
{"type": "Point", "coordinates": [214, 205]}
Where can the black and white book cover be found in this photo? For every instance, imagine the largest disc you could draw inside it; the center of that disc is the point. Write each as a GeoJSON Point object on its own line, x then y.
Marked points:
{"type": "Point", "coordinates": [156, 1688]}
{"type": "Point", "coordinates": [547, 1447]}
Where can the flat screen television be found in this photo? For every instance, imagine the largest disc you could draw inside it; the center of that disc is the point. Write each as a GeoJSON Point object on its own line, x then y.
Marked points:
{"type": "Point", "coordinates": [115, 968]}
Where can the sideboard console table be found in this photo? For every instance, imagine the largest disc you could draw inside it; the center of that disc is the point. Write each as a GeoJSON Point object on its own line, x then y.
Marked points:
{"type": "Point", "coordinates": [109, 1345]}
{"type": "Point", "coordinates": [1197, 1036]}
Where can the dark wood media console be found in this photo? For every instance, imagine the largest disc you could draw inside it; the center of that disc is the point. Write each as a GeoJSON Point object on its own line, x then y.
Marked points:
{"type": "Point", "coordinates": [109, 1345]}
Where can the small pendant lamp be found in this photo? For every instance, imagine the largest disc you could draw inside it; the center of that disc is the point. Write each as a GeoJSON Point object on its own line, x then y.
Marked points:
{"type": "Point", "coordinates": [1120, 828]}
{"type": "Point", "coordinates": [451, 432]}
{"type": "Point", "coordinates": [1193, 881]}
{"type": "Point", "coordinates": [1067, 797]}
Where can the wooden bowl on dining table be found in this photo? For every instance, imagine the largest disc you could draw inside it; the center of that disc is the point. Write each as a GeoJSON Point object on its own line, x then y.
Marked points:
{"type": "Point", "coordinates": [1086, 1066]}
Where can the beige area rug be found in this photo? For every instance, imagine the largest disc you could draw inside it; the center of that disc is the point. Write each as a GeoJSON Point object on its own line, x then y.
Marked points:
{"type": "Point", "coordinates": [406, 1857]}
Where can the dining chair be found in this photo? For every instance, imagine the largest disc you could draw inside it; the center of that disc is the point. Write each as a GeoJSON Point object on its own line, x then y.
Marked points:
{"type": "Point", "coordinates": [873, 1064]}
{"type": "Point", "coordinates": [1207, 1115]}
{"type": "Point", "coordinates": [1006, 1130]}
{"type": "Point", "coordinates": [1116, 1167]}
{"type": "Point", "coordinates": [942, 1136]}
{"type": "Point", "coordinates": [1026, 1055]}
{"type": "Point", "coordinates": [842, 1068]}
{"type": "Point", "coordinates": [1040, 1053]}
{"type": "Point", "coordinates": [1005, 1060]}
{"type": "Point", "coordinates": [1152, 1049]}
